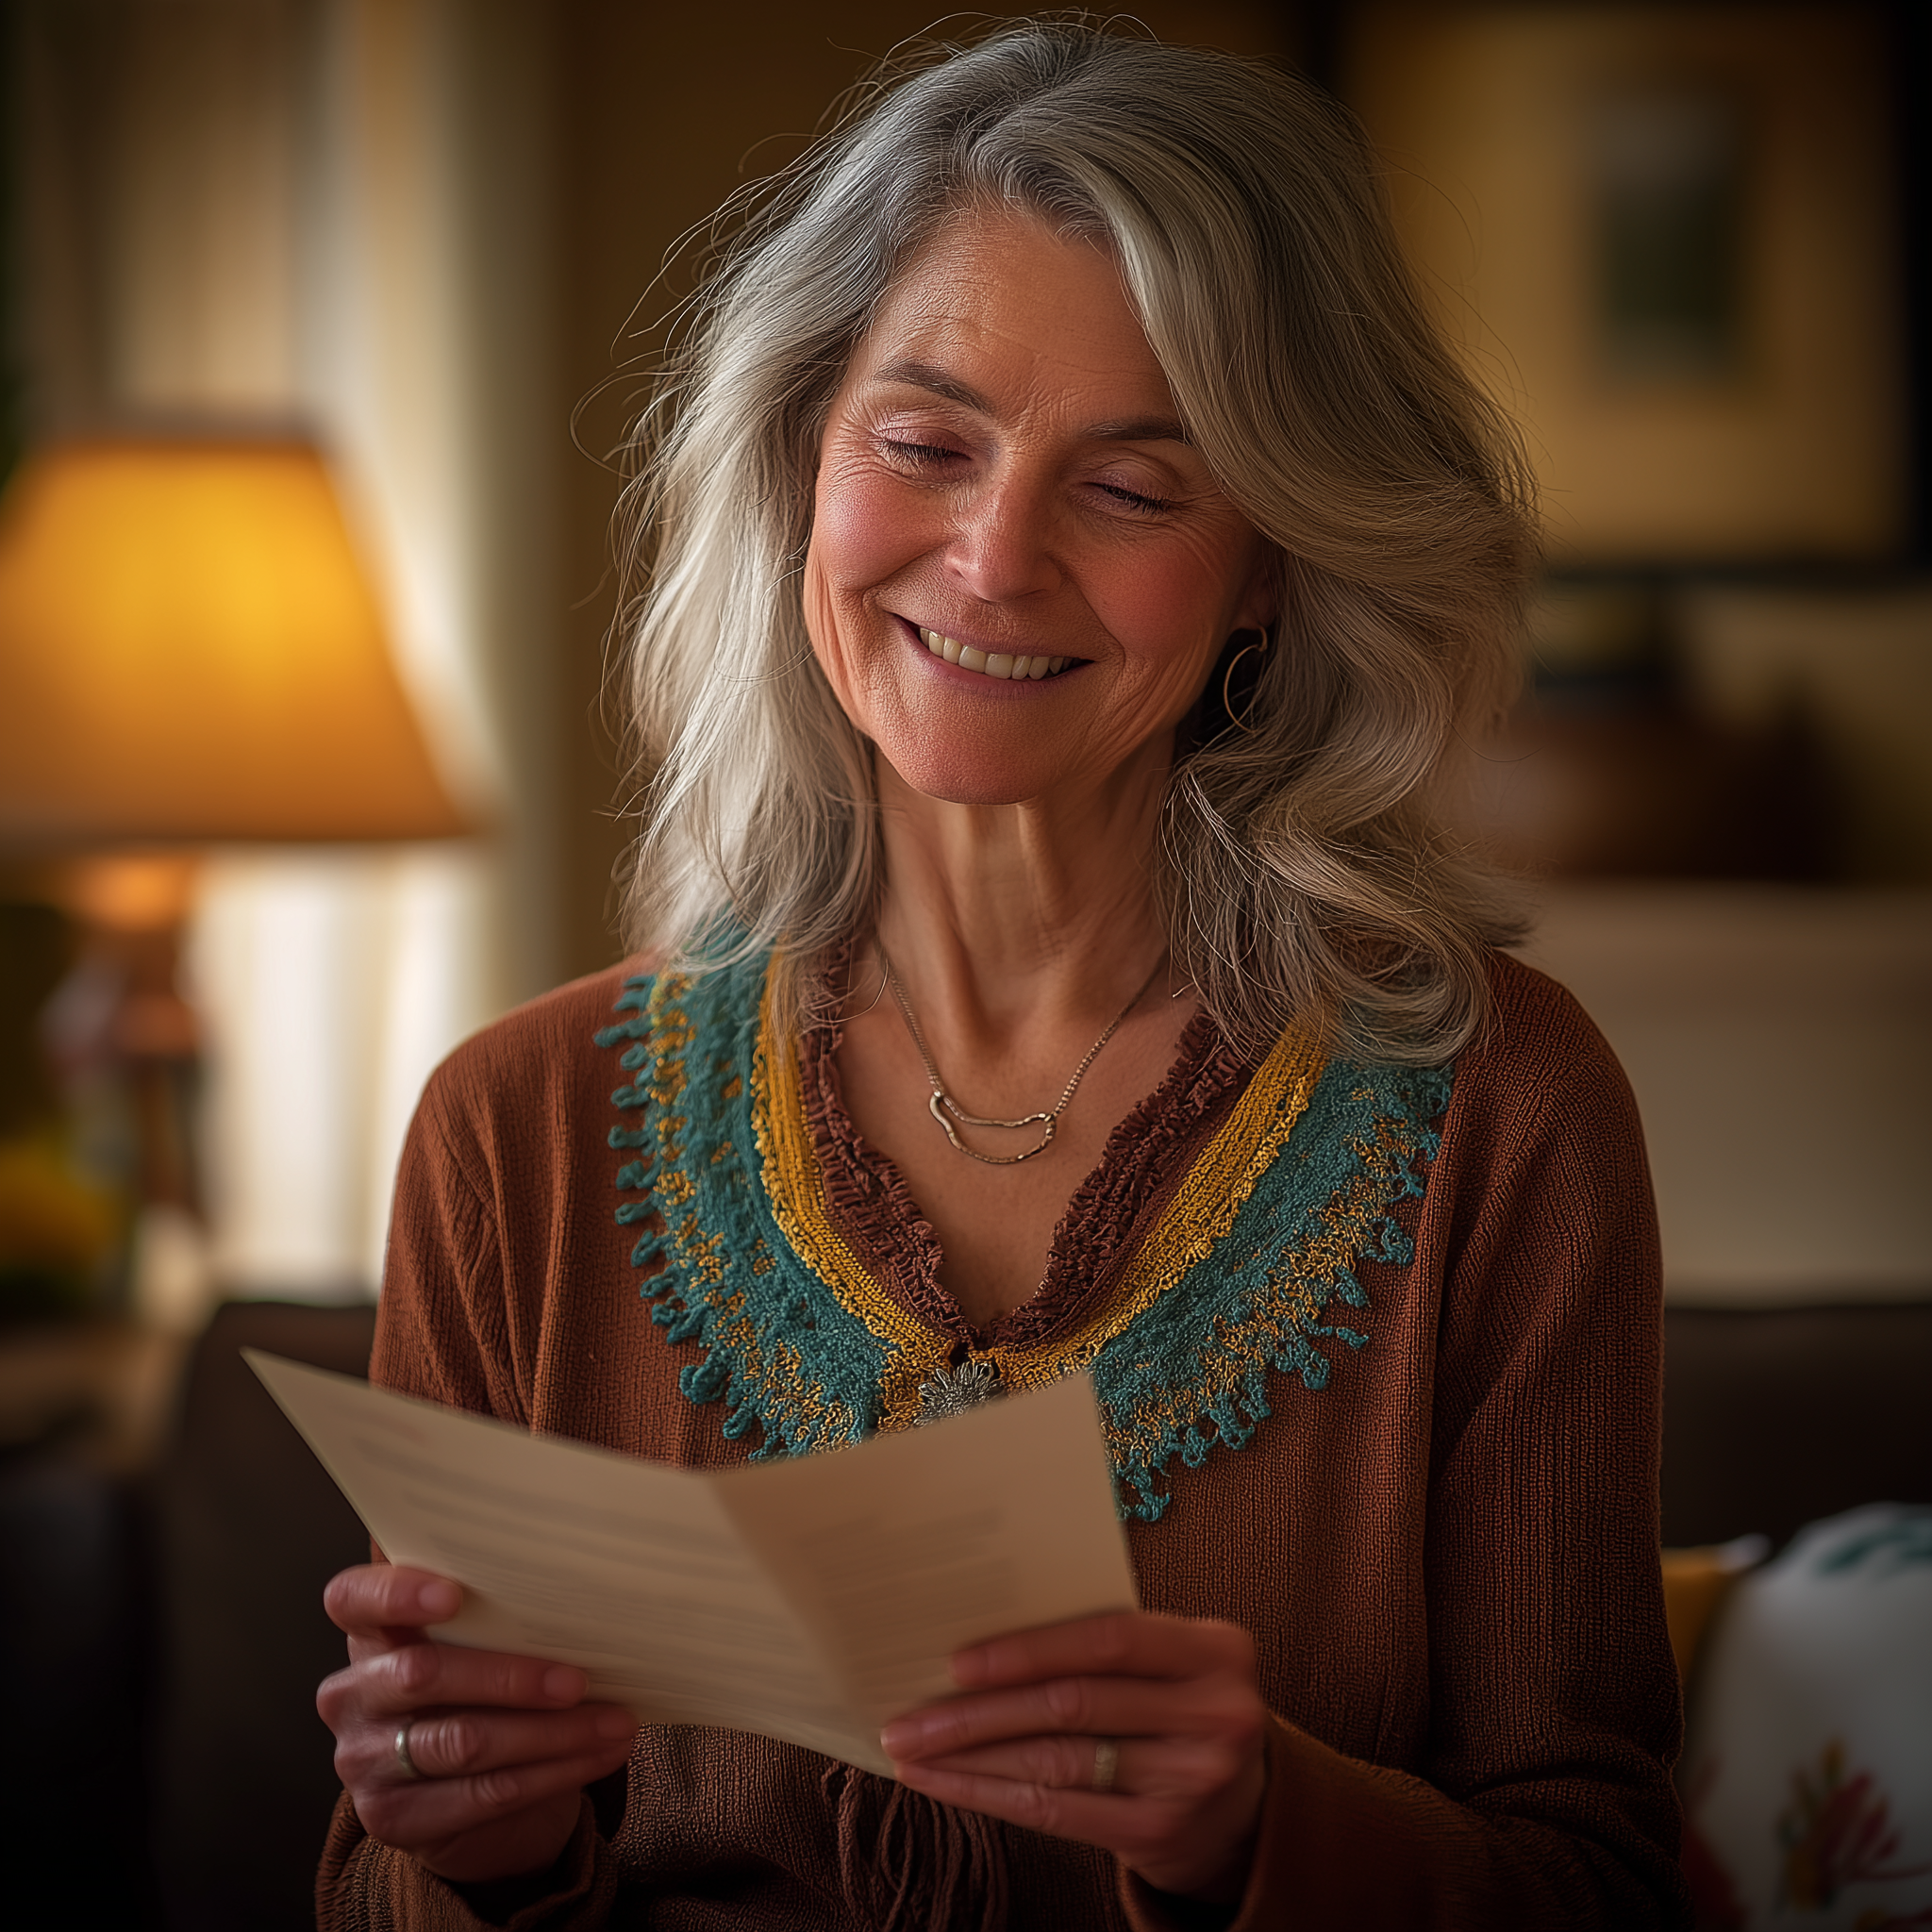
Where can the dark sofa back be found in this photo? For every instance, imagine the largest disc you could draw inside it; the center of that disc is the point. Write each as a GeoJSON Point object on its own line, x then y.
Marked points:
{"type": "Point", "coordinates": [250, 1528]}
{"type": "Point", "coordinates": [1775, 1417]}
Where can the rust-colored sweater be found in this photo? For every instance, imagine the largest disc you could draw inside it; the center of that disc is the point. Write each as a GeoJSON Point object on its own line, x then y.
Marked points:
{"type": "Point", "coordinates": [1447, 1555]}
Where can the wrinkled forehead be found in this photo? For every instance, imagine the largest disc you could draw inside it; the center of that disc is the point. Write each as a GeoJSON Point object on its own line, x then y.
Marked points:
{"type": "Point", "coordinates": [987, 269]}
{"type": "Point", "coordinates": [975, 214]}
{"type": "Point", "coordinates": [1002, 318]}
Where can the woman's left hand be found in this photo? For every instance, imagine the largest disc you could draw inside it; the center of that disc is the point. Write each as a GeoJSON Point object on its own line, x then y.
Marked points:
{"type": "Point", "coordinates": [1169, 1706]}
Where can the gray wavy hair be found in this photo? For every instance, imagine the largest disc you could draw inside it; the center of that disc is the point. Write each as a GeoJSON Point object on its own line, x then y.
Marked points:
{"type": "Point", "coordinates": [1302, 869]}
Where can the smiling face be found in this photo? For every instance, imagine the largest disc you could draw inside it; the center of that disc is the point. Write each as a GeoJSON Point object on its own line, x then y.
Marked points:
{"type": "Point", "coordinates": [1020, 570]}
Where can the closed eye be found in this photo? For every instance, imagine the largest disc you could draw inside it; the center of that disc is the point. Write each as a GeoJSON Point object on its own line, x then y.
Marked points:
{"type": "Point", "coordinates": [920, 452]}
{"type": "Point", "coordinates": [1149, 506]}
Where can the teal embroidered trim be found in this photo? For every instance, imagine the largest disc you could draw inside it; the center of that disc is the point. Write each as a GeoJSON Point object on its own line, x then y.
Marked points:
{"type": "Point", "coordinates": [779, 1352]}
{"type": "Point", "coordinates": [1195, 1367]}
{"type": "Point", "coordinates": [801, 1343]}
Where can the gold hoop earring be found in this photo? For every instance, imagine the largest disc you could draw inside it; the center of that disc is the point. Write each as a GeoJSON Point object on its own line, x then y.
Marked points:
{"type": "Point", "coordinates": [1240, 721]}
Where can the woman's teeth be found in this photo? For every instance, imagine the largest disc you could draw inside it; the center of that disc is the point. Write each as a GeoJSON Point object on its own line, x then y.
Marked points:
{"type": "Point", "coordinates": [993, 664]}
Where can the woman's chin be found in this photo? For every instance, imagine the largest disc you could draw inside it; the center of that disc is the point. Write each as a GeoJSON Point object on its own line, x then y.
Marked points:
{"type": "Point", "coordinates": [988, 776]}
{"type": "Point", "coordinates": [962, 783]}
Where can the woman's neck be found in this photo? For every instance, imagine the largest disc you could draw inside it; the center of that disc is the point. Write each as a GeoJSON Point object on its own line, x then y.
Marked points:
{"type": "Point", "coordinates": [1019, 936]}
{"type": "Point", "coordinates": [1014, 919]}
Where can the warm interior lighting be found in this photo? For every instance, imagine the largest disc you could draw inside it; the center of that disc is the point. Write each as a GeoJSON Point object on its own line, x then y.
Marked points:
{"type": "Point", "coordinates": [190, 652]}
{"type": "Point", "coordinates": [123, 891]}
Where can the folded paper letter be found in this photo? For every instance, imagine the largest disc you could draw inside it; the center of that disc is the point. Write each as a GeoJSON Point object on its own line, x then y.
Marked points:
{"type": "Point", "coordinates": [810, 1599]}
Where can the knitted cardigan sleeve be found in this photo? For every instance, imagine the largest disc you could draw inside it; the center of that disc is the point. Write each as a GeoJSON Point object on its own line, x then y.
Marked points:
{"type": "Point", "coordinates": [446, 1333]}
{"type": "Point", "coordinates": [1547, 1800]}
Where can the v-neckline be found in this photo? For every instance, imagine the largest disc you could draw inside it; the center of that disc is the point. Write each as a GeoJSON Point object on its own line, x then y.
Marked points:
{"type": "Point", "coordinates": [1146, 1157]}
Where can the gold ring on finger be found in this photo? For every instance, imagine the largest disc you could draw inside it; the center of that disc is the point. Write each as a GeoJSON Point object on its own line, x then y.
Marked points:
{"type": "Point", "coordinates": [1106, 1761]}
{"type": "Point", "coordinates": [403, 1758]}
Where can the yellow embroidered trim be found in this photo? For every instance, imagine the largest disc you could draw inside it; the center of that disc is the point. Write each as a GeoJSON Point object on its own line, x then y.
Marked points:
{"type": "Point", "coordinates": [1203, 1211]}
{"type": "Point", "coordinates": [796, 1189]}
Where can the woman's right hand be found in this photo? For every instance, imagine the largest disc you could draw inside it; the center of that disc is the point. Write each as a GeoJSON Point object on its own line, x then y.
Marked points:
{"type": "Point", "coordinates": [501, 1746]}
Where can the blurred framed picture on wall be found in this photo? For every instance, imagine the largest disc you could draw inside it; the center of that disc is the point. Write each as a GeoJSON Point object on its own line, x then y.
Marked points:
{"type": "Point", "coordinates": [1668, 238]}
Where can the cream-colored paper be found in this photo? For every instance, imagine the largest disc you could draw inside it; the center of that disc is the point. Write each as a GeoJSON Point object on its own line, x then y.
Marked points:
{"type": "Point", "coordinates": [810, 1599]}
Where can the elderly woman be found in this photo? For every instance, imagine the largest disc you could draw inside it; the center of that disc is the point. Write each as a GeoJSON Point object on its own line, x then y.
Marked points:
{"type": "Point", "coordinates": [1073, 559]}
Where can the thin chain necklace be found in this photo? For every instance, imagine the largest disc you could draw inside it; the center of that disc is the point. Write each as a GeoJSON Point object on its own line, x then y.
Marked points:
{"type": "Point", "coordinates": [945, 1109]}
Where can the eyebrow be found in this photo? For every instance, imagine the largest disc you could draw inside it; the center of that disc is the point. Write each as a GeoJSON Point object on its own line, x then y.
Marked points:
{"type": "Point", "coordinates": [939, 382]}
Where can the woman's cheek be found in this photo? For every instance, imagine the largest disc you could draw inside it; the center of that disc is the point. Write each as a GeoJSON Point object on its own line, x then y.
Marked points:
{"type": "Point", "coordinates": [1168, 630]}
{"type": "Point", "coordinates": [864, 528]}
{"type": "Point", "coordinates": [821, 625]}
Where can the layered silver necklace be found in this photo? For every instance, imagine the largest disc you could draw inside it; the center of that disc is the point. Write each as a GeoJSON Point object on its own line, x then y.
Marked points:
{"type": "Point", "coordinates": [947, 1111]}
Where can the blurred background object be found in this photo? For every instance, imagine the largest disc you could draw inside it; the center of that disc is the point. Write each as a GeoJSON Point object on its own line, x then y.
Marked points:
{"type": "Point", "coordinates": [57, 1223]}
{"type": "Point", "coordinates": [1683, 243]}
{"type": "Point", "coordinates": [191, 655]}
{"type": "Point", "coordinates": [1673, 239]}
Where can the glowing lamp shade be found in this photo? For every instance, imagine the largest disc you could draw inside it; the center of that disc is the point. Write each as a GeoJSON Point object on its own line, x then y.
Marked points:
{"type": "Point", "coordinates": [190, 652]}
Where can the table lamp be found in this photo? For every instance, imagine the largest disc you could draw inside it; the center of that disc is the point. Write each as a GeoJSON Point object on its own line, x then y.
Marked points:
{"type": "Point", "coordinates": [191, 654]}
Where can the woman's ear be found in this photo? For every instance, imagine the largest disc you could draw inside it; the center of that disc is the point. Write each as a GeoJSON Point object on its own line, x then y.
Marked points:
{"type": "Point", "coordinates": [1262, 602]}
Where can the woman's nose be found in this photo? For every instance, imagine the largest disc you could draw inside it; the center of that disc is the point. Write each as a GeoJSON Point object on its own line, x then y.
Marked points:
{"type": "Point", "coordinates": [1002, 542]}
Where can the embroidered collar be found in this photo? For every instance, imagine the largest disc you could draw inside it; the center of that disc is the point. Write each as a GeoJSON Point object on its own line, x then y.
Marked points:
{"type": "Point", "coordinates": [1232, 1284]}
